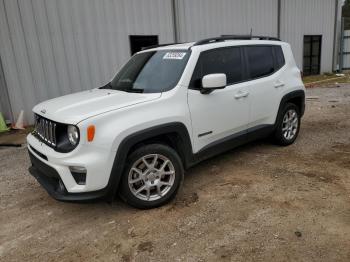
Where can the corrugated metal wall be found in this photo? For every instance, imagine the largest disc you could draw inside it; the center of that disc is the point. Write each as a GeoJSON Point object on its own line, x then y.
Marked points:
{"type": "Point", "coordinates": [50, 48]}
{"type": "Point", "coordinates": [337, 34]}
{"type": "Point", "coordinates": [55, 47]}
{"type": "Point", "coordinates": [206, 18]}
{"type": "Point", "coordinates": [5, 107]}
{"type": "Point", "coordinates": [311, 17]}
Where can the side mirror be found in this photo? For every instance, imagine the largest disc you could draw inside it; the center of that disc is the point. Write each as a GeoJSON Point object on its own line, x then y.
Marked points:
{"type": "Point", "coordinates": [213, 81]}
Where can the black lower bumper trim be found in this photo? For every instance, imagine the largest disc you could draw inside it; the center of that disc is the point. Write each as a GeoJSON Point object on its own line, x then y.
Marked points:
{"type": "Point", "coordinates": [51, 181]}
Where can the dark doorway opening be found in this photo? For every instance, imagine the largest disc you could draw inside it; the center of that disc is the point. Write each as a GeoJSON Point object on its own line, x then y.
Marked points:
{"type": "Point", "coordinates": [137, 42]}
{"type": "Point", "coordinates": [312, 54]}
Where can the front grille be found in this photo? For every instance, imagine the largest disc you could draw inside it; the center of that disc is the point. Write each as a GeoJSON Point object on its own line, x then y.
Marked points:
{"type": "Point", "coordinates": [45, 130]}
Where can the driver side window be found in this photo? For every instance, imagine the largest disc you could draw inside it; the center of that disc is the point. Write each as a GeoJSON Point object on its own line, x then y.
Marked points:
{"type": "Point", "coordinates": [227, 60]}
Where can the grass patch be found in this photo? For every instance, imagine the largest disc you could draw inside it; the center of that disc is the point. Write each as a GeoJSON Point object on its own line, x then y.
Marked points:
{"type": "Point", "coordinates": [327, 78]}
{"type": "Point", "coordinates": [315, 78]}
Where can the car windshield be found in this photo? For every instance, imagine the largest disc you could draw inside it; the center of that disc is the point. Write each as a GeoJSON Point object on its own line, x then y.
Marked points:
{"type": "Point", "coordinates": [151, 72]}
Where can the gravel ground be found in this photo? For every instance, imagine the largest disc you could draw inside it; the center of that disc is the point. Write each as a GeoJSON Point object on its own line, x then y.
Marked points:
{"type": "Point", "coordinates": [259, 202]}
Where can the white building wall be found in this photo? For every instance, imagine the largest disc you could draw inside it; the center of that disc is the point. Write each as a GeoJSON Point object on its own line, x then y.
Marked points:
{"type": "Point", "coordinates": [337, 29]}
{"type": "Point", "coordinates": [5, 107]}
{"type": "Point", "coordinates": [198, 19]}
{"type": "Point", "coordinates": [54, 47]}
{"type": "Point", "coordinates": [309, 17]}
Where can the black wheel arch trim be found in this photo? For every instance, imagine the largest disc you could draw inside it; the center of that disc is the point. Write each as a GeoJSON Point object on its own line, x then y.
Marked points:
{"type": "Point", "coordinates": [128, 142]}
{"type": "Point", "coordinates": [292, 95]}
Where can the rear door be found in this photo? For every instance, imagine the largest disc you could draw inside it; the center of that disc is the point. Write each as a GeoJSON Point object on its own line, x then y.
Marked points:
{"type": "Point", "coordinates": [265, 85]}
{"type": "Point", "coordinates": [223, 112]}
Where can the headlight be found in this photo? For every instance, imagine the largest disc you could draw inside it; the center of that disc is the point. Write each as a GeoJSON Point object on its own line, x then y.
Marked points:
{"type": "Point", "coordinates": [73, 135]}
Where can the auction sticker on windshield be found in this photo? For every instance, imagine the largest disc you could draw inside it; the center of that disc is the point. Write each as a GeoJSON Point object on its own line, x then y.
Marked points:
{"type": "Point", "coordinates": [174, 55]}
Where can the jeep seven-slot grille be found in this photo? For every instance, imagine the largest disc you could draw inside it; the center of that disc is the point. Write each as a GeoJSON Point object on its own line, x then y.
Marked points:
{"type": "Point", "coordinates": [45, 130]}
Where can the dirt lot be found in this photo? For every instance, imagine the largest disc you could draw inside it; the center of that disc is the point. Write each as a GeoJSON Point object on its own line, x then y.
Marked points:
{"type": "Point", "coordinates": [259, 202]}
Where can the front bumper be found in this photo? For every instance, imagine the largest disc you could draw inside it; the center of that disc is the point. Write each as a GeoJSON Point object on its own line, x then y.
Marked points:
{"type": "Point", "coordinates": [49, 178]}
{"type": "Point", "coordinates": [97, 161]}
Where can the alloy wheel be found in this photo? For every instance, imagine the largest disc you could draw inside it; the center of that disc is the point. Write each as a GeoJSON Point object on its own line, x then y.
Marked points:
{"type": "Point", "coordinates": [290, 124]}
{"type": "Point", "coordinates": [151, 177]}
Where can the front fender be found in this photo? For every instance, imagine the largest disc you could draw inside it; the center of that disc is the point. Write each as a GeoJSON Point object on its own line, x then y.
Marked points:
{"type": "Point", "coordinates": [128, 142]}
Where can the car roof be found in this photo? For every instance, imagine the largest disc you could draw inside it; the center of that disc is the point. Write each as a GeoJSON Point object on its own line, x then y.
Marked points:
{"type": "Point", "coordinates": [216, 42]}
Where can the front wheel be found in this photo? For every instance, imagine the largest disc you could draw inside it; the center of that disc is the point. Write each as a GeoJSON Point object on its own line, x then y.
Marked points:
{"type": "Point", "coordinates": [152, 176]}
{"type": "Point", "coordinates": [289, 124]}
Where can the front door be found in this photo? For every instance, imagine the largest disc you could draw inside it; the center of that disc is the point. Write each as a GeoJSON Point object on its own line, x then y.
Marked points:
{"type": "Point", "coordinates": [223, 112]}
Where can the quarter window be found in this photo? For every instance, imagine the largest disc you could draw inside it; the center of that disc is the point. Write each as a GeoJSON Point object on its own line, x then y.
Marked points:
{"type": "Point", "coordinates": [222, 60]}
{"type": "Point", "coordinates": [280, 62]}
{"type": "Point", "coordinates": [260, 61]}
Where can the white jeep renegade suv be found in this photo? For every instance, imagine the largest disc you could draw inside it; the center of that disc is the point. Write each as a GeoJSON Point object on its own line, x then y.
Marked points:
{"type": "Point", "coordinates": [167, 109]}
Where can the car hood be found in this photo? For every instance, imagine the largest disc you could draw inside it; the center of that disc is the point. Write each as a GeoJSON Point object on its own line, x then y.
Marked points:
{"type": "Point", "coordinates": [74, 108]}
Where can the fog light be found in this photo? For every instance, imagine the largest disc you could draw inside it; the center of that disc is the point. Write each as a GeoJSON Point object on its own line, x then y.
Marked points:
{"type": "Point", "coordinates": [79, 174]}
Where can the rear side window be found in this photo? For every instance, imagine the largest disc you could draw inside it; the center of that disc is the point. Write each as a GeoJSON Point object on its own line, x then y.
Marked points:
{"type": "Point", "coordinates": [264, 60]}
{"type": "Point", "coordinates": [222, 60]}
{"type": "Point", "coordinates": [260, 61]}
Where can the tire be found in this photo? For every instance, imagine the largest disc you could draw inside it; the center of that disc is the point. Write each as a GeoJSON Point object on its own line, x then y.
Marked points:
{"type": "Point", "coordinates": [155, 184]}
{"type": "Point", "coordinates": [281, 136]}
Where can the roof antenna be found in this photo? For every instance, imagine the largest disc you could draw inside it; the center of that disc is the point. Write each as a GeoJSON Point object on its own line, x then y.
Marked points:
{"type": "Point", "coordinates": [251, 32]}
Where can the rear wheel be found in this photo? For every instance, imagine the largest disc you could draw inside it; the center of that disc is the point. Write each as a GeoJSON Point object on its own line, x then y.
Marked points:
{"type": "Point", "coordinates": [152, 176]}
{"type": "Point", "coordinates": [289, 124]}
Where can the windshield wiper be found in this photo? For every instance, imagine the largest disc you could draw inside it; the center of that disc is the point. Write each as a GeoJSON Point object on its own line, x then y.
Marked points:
{"type": "Point", "coordinates": [134, 90]}
{"type": "Point", "coordinates": [107, 86]}
{"type": "Point", "coordinates": [127, 89]}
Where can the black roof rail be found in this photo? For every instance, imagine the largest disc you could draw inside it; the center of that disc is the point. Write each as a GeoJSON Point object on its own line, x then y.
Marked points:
{"type": "Point", "coordinates": [155, 46]}
{"type": "Point", "coordinates": [234, 37]}
{"type": "Point", "coordinates": [252, 37]}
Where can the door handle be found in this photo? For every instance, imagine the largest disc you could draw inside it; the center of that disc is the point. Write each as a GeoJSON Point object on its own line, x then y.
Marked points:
{"type": "Point", "coordinates": [241, 94]}
{"type": "Point", "coordinates": [279, 84]}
